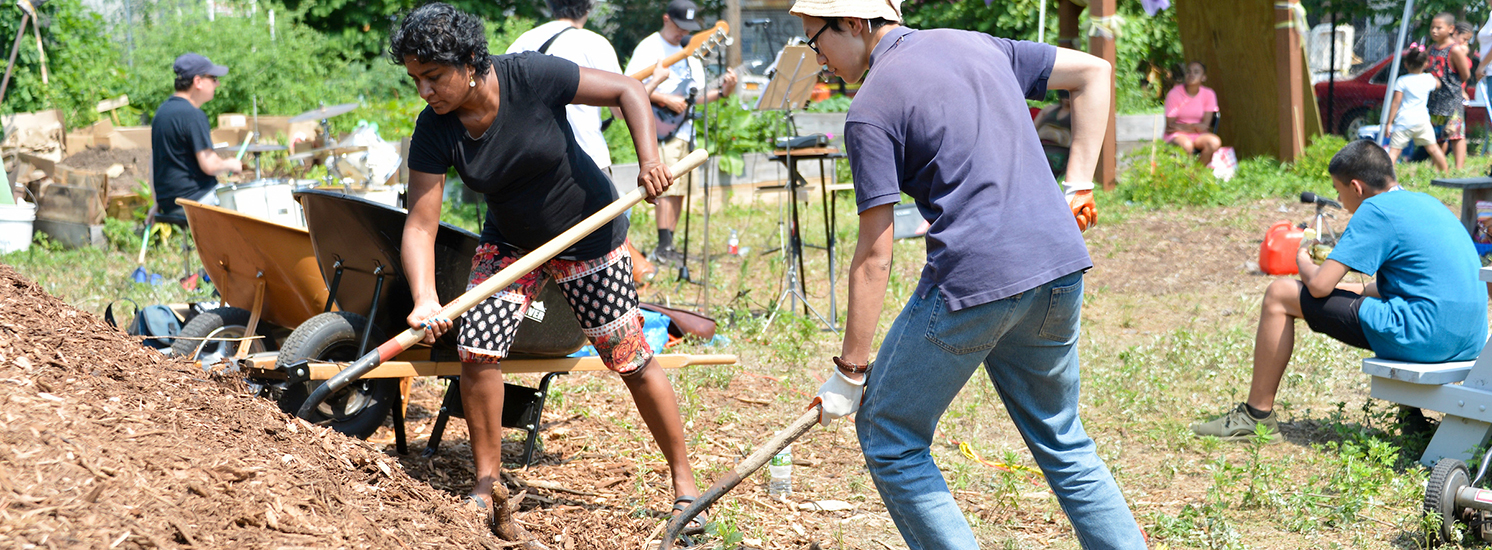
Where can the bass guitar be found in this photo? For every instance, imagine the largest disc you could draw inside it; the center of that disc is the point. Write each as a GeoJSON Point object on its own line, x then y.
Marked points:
{"type": "Point", "coordinates": [702, 44]}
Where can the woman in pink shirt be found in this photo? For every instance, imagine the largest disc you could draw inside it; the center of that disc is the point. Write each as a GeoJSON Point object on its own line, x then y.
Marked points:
{"type": "Point", "coordinates": [1190, 107]}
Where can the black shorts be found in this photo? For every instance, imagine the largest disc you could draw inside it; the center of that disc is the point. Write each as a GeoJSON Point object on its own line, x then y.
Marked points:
{"type": "Point", "coordinates": [1335, 316]}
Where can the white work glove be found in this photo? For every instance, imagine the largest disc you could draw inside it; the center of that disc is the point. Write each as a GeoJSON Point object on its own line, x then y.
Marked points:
{"type": "Point", "coordinates": [840, 397]}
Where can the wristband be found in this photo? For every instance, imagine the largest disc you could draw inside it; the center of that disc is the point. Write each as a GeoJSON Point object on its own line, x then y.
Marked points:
{"type": "Point", "coordinates": [851, 368]}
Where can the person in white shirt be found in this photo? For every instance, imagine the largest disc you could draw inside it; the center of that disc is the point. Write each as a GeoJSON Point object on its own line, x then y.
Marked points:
{"type": "Point", "coordinates": [566, 37]}
{"type": "Point", "coordinates": [672, 100]}
{"type": "Point", "coordinates": [1409, 111]}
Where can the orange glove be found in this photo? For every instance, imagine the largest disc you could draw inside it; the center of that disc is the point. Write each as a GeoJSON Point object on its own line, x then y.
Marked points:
{"type": "Point", "coordinates": [1084, 210]}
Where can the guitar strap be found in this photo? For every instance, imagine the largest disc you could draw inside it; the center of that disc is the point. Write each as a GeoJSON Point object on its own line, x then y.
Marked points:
{"type": "Point", "coordinates": [545, 49]}
{"type": "Point", "coordinates": [547, 43]}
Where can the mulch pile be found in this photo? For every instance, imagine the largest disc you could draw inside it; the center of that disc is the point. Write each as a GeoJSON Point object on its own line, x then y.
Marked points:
{"type": "Point", "coordinates": [136, 164]}
{"type": "Point", "coordinates": [106, 444]}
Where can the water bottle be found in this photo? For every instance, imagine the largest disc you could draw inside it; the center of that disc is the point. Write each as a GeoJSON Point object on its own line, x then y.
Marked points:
{"type": "Point", "coordinates": [733, 246]}
{"type": "Point", "coordinates": [781, 471]}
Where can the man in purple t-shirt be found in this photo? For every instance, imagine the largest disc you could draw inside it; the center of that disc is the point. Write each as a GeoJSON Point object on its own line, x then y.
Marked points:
{"type": "Point", "coordinates": [941, 116]}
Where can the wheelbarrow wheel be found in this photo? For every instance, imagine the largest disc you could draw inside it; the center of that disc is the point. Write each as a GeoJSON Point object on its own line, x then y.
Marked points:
{"type": "Point", "coordinates": [1446, 479]}
{"type": "Point", "coordinates": [223, 322]}
{"type": "Point", "coordinates": [360, 408]}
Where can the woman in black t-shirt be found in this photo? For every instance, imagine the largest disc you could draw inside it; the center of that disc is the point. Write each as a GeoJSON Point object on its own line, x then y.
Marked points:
{"type": "Point", "coordinates": [500, 122]}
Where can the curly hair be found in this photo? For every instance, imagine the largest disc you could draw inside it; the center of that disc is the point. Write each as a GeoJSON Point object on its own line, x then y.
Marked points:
{"type": "Point", "coordinates": [441, 34]}
{"type": "Point", "coordinates": [569, 9]}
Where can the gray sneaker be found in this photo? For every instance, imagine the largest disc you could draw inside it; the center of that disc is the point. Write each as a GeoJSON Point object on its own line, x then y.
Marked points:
{"type": "Point", "coordinates": [1238, 425]}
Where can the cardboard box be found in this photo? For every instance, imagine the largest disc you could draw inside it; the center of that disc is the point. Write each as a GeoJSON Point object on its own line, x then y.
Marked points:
{"type": "Point", "coordinates": [272, 129]}
{"type": "Point", "coordinates": [41, 133]}
{"type": "Point", "coordinates": [82, 205]}
{"type": "Point", "coordinates": [233, 137]}
{"type": "Point", "coordinates": [138, 137]}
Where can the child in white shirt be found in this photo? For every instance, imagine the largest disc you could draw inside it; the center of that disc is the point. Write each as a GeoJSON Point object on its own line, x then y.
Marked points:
{"type": "Point", "coordinates": [1409, 113]}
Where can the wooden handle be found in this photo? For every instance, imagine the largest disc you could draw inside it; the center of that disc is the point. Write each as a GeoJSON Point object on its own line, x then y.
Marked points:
{"type": "Point", "coordinates": [538, 256]}
{"type": "Point", "coordinates": [744, 469]}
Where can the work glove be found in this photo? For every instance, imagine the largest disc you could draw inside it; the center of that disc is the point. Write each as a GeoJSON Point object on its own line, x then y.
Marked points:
{"type": "Point", "coordinates": [840, 397]}
{"type": "Point", "coordinates": [1080, 200]}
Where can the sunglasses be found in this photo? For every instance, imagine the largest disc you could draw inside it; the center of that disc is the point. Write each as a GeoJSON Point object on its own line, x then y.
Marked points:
{"type": "Point", "coordinates": [813, 42]}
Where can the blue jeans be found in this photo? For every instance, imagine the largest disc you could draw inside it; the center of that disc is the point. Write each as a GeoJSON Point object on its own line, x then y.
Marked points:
{"type": "Point", "coordinates": [1028, 344]}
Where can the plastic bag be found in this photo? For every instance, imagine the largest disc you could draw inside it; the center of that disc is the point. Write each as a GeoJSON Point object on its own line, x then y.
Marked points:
{"type": "Point", "coordinates": [1224, 163]}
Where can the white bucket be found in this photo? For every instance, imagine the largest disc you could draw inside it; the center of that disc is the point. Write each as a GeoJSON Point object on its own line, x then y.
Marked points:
{"type": "Point", "coordinates": [15, 226]}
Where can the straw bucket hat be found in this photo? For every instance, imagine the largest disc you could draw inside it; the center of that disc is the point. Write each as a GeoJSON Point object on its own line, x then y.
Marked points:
{"type": "Point", "coordinates": [889, 10]}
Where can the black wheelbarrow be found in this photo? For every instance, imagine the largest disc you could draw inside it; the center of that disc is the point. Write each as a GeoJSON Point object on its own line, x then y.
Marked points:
{"type": "Point", "coordinates": [357, 245]}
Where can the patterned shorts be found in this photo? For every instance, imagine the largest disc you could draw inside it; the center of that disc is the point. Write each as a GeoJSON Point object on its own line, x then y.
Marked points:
{"type": "Point", "coordinates": [600, 291]}
{"type": "Point", "coordinates": [1453, 126]}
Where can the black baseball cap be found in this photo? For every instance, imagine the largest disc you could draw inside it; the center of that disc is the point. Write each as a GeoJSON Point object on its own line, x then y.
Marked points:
{"type": "Point", "coordinates": [684, 13]}
{"type": "Point", "coordinates": [191, 64]}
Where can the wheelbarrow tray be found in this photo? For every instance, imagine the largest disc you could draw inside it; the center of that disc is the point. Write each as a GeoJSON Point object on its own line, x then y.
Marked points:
{"type": "Point", "coordinates": [239, 251]}
{"type": "Point", "coordinates": [363, 238]}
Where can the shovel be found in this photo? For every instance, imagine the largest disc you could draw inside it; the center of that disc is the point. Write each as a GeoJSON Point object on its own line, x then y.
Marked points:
{"type": "Point", "coordinates": [754, 462]}
{"type": "Point", "coordinates": [492, 285]}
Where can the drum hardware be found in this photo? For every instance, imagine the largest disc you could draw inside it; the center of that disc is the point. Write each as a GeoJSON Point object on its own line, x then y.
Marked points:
{"type": "Point", "coordinates": [323, 113]}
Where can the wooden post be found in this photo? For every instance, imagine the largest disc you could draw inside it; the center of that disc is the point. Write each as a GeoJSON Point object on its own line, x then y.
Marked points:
{"type": "Point", "coordinates": [1103, 47]}
{"type": "Point", "coordinates": [733, 18]}
{"type": "Point", "coordinates": [1288, 69]}
{"type": "Point", "coordinates": [1067, 24]}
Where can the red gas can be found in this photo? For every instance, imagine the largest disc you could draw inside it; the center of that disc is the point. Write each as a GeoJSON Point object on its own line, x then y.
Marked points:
{"type": "Point", "coordinates": [1281, 243]}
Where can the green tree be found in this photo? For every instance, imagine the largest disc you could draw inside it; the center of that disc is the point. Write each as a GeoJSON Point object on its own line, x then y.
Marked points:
{"type": "Point", "coordinates": [360, 28]}
{"type": "Point", "coordinates": [1146, 47]}
{"type": "Point", "coordinates": [83, 65]}
{"type": "Point", "coordinates": [287, 74]}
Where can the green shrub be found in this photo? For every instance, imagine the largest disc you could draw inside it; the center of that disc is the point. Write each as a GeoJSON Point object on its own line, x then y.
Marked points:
{"type": "Point", "coordinates": [83, 65]}
{"type": "Point", "coordinates": [289, 74]}
{"type": "Point", "coordinates": [835, 104]}
{"type": "Point", "coordinates": [1175, 179]}
{"type": "Point", "coordinates": [1179, 179]}
{"type": "Point", "coordinates": [1312, 163]}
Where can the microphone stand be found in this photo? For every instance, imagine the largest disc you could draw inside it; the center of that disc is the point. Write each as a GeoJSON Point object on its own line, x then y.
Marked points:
{"type": "Point", "coordinates": [683, 275]}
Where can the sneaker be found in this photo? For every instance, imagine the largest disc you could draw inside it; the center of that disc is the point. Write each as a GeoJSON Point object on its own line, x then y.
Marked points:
{"type": "Point", "coordinates": [1238, 425]}
{"type": "Point", "coordinates": [666, 255]}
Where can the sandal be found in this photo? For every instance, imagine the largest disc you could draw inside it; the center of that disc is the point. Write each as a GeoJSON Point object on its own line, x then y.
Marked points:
{"type": "Point", "coordinates": [696, 524]}
{"type": "Point", "coordinates": [474, 501]}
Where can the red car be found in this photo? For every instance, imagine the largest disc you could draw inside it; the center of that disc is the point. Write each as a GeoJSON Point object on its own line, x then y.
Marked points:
{"type": "Point", "coordinates": [1358, 100]}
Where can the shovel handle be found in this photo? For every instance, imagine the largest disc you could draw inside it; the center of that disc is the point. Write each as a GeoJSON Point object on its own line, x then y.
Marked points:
{"type": "Point", "coordinates": [492, 285]}
{"type": "Point", "coordinates": [743, 470]}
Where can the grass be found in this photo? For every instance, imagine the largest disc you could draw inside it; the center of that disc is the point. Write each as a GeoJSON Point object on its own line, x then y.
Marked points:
{"type": "Point", "coordinates": [1151, 365]}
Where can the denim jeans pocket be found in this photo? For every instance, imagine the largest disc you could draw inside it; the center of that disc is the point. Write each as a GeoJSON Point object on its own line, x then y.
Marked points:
{"type": "Point", "coordinates": [1061, 324]}
{"type": "Point", "coordinates": [970, 330]}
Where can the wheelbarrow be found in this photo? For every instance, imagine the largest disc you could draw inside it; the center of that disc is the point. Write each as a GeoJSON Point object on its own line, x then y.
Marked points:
{"type": "Point", "coordinates": [266, 274]}
{"type": "Point", "coordinates": [357, 248]}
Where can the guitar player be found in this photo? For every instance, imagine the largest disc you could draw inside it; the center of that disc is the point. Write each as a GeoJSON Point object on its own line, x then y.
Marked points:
{"type": "Point", "coordinates": [673, 102]}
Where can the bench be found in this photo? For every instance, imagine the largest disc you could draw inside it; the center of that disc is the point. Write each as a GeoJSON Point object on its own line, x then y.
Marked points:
{"type": "Point", "coordinates": [1461, 389]}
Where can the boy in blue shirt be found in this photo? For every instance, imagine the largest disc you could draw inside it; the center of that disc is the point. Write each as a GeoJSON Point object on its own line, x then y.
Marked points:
{"type": "Point", "coordinates": [1424, 306]}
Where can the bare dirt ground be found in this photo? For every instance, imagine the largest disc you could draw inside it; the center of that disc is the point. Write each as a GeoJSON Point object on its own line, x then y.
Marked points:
{"type": "Point", "coordinates": [108, 444]}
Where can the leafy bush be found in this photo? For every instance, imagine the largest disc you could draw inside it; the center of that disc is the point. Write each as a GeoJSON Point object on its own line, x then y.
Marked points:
{"type": "Point", "coordinates": [1179, 179]}
{"type": "Point", "coordinates": [83, 65]}
{"type": "Point", "coordinates": [1175, 179]}
{"type": "Point", "coordinates": [289, 74]}
{"type": "Point", "coordinates": [1312, 164]}
{"type": "Point", "coordinates": [1144, 42]}
{"type": "Point", "coordinates": [835, 104]}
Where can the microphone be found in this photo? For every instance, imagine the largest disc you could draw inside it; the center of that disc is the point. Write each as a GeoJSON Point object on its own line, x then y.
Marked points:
{"type": "Point", "coordinates": [755, 22]}
{"type": "Point", "coordinates": [1312, 198]}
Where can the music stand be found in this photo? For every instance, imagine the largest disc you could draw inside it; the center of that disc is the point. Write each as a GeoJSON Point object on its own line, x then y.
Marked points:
{"type": "Point", "coordinates": [790, 88]}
